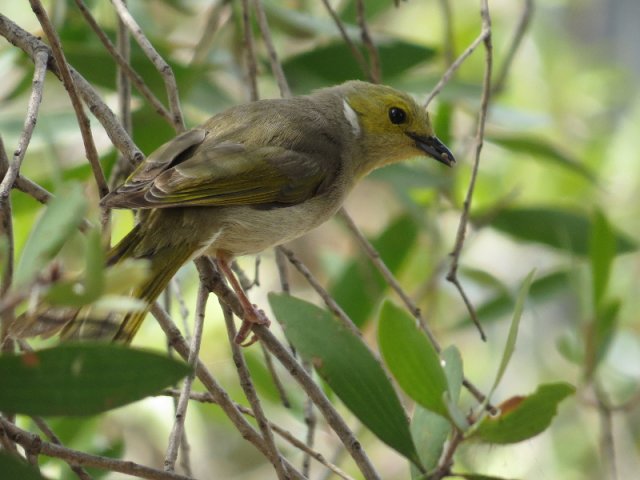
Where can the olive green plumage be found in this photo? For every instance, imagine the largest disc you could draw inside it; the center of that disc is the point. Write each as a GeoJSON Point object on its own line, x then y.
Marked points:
{"type": "Point", "coordinates": [258, 175]}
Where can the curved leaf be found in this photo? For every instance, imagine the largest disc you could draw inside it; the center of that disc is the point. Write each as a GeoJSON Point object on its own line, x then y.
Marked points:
{"type": "Point", "coordinates": [524, 417]}
{"type": "Point", "coordinates": [13, 468]}
{"type": "Point", "coordinates": [82, 379]}
{"type": "Point", "coordinates": [350, 369]}
{"type": "Point", "coordinates": [412, 359]}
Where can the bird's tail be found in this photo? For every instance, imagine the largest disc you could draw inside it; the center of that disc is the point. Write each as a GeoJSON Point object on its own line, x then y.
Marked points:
{"type": "Point", "coordinates": [87, 323]}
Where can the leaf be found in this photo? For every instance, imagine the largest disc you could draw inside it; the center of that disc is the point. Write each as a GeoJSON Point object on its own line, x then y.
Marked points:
{"type": "Point", "coordinates": [561, 229]}
{"type": "Point", "coordinates": [82, 379]}
{"type": "Point", "coordinates": [479, 476]}
{"type": "Point", "coordinates": [360, 287]}
{"type": "Point", "coordinates": [347, 365]}
{"type": "Point", "coordinates": [77, 293]}
{"type": "Point", "coordinates": [542, 150]}
{"type": "Point", "coordinates": [412, 359]}
{"type": "Point", "coordinates": [12, 468]}
{"type": "Point", "coordinates": [503, 303]}
{"type": "Point", "coordinates": [453, 370]}
{"type": "Point", "coordinates": [602, 251]}
{"type": "Point", "coordinates": [333, 63]}
{"type": "Point", "coordinates": [513, 330]}
{"type": "Point", "coordinates": [600, 333]}
{"type": "Point", "coordinates": [525, 417]}
{"type": "Point", "coordinates": [62, 216]}
{"type": "Point", "coordinates": [430, 432]}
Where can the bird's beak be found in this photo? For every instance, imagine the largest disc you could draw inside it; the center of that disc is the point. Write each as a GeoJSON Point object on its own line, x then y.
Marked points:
{"type": "Point", "coordinates": [434, 148]}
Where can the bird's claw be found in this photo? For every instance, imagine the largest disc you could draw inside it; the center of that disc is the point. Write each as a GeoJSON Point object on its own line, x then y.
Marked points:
{"type": "Point", "coordinates": [255, 316]}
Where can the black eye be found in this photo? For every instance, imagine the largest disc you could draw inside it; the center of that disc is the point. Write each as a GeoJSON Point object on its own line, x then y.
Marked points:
{"type": "Point", "coordinates": [397, 115]}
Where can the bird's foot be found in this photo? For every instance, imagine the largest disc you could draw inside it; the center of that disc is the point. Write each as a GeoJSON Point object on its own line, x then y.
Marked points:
{"type": "Point", "coordinates": [255, 316]}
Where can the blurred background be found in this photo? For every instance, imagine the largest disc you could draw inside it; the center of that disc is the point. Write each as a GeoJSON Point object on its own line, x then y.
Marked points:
{"type": "Point", "coordinates": [562, 142]}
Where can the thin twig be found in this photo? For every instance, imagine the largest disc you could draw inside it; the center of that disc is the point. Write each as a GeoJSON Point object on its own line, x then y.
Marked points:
{"type": "Point", "coordinates": [31, 45]}
{"type": "Point", "coordinates": [6, 231]}
{"type": "Point", "coordinates": [206, 397]}
{"type": "Point", "coordinates": [161, 65]}
{"type": "Point", "coordinates": [69, 85]}
{"type": "Point", "coordinates": [34, 443]}
{"type": "Point", "coordinates": [126, 73]}
{"type": "Point", "coordinates": [456, 65]}
{"type": "Point", "coordinates": [276, 67]}
{"type": "Point", "coordinates": [314, 392]}
{"type": "Point", "coordinates": [452, 275]}
{"type": "Point", "coordinates": [355, 51]}
{"type": "Point", "coordinates": [374, 58]}
{"type": "Point", "coordinates": [181, 410]}
{"type": "Point", "coordinates": [221, 397]}
{"type": "Point", "coordinates": [320, 290]}
{"type": "Point", "coordinates": [80, 472]}
{"type": "Point", "coordinates": [250, 393]}
{"type": "Point", "coordinates": [523, 24]}
{"type": "Point", "coordinates": [250, 52]}
{"type": "Point", "coordinates": [374, 256]}
{"type": "Point", "coordinates": [218, 15]}
{"type": "Point", "coordinates": [606, 443]}
{"type": "Point", "coordinates": [35, 99]}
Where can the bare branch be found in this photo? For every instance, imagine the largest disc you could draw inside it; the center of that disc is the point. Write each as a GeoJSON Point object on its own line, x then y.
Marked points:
{"type": "Point", "coordinates": [69, 85]}
{"type": "Point", "coordinates": [161, 65]}
{"type": "Point", "coordinates": [34, 443]}
{"type": "Point", "coordinates": [276, 66]}
{"type": "Point", "coordinates": [181, 410]}
{"type": "Point", "coordinates": [10, 175]}
{"type": "Point", "coordinates": [250, 52]}
{"type": "Point", "coordinates": [452, 275]}
{"type": "Point", "coordinates": [374, 59]}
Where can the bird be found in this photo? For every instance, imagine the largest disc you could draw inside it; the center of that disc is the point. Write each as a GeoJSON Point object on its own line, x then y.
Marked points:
{"type": "Point", "coordinates": [252, 177]}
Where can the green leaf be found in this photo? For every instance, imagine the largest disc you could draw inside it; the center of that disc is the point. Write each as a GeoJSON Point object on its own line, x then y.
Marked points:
{"type": "Point", "coordinates": [82, 379]}
{"type": "Point", "coordinates": [77, 293]}
{"type": "Point", "coordinates": [600, 333]}
{"type": "Point", "coordinates": [453, 370]}
{"type": "Point", "coordinates": [412, 359]}
{"type": "Point", "coordinates": [373, 8]}
{"type": "Point", "coordinates": [602, 251]}
{"type": "Point", "coordinates": [542, 150]}
{"type": "Point", "coordinates": [524, 417]}
{"type": "Point", "coordinates": [479, 476]}
{"type": "Point", "coordinates": [569, 231]}
{"type": "Point", "coordinates": [62, 216]}
{"type": "Point", "coordinates": [12, 468]}
{"type": "Point", "coordinates": [350, 369]}
{"type": "Point", "coordinates": [513, 330]}
{"type": "Point", "coordinates": [360, 287]}
{"type": "Point", "coordinates": [333, 63]}
{"type": "Point", "coordinates": [430, 432]}
{"type": "Point", "coordinates": [503, 303]}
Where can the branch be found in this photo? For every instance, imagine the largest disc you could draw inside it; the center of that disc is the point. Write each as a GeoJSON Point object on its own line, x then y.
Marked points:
{"type": "Point", "coordinates": [69, 85]}
{"type": "Point", "coordinates": [452, 275]}
{"type": "Point", "coordinates": [33, 443]}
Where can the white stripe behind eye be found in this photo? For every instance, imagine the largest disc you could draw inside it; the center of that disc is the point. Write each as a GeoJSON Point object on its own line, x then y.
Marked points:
{"type": "Point", "coordinates": [352, 118]}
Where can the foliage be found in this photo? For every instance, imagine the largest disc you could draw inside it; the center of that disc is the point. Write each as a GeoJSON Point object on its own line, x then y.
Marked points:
{"type": "Point", "coordinates": [555, 194]}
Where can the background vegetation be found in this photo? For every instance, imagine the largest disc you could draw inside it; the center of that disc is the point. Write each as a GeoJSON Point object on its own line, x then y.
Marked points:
{"type": "Point", "coordinates": [555, 195]}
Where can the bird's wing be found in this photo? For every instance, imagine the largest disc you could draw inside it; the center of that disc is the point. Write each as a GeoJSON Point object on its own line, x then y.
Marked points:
{"type": "Point", "coordinates": [193, 171]}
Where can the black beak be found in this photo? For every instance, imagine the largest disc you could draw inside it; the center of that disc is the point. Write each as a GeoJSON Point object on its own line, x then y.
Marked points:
{"type": "Point", "coordinates": [434, 148]}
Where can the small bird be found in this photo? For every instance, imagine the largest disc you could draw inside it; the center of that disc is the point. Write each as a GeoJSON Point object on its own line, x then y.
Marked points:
{"type": "Point", "coordinates": [255, 176]}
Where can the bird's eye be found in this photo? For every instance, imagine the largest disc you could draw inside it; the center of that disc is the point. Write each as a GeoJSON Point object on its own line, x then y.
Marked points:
{"type": "Point", "coordinates": [397, 115]}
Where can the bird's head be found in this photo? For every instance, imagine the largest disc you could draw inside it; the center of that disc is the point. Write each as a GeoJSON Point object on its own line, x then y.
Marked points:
{"type": "Point", "coordinates": [389, 126]}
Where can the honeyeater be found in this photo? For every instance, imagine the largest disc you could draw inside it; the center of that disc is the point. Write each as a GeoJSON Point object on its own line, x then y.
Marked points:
{"type": "Point", "coordinates": [255, 176]}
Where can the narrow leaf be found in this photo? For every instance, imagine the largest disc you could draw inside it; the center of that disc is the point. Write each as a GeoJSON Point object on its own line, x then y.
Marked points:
{"type": "Point", "coordinates": [513, 330]}
{"type": "Point", "coordinates": [82, 379]}
{"type": "Point", "coordinates": [453, 371]}
{"type": "Point", "coordinates": [430, 432]}
{"type": "Point", "coordinates": [347, 365]}
{"type": "Point", "coordinates": [600, 333]}
{"type": "Point", "coordinates": [561, 229]}
{"type": "Point", "coordinates": [543, 150]}
{"type": "Point", "coordinates": [522, 418]}
{"type": "Point", "coordinates": [602, 251]}
{"type": "Point", "coordinates": [412, 359]}
{"type": "Point", "coordinates": [61, 217]}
